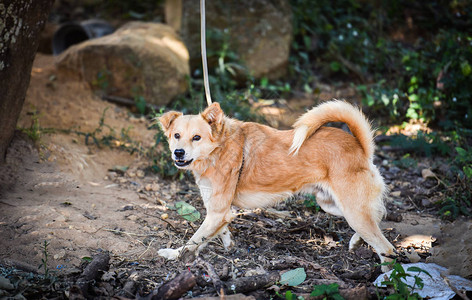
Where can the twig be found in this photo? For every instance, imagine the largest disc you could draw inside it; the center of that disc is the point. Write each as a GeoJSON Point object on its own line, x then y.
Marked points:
{"type": "Point", "coordinates": [214, 277]}
{"type": "Point", "coordinates": [460, 293]}
{"type": "Point", "coordinates": [127, 102]}
{"type": "Point", "coordinates": [147, 248]}
{"type": "Point", "coordinates": [129, 233]}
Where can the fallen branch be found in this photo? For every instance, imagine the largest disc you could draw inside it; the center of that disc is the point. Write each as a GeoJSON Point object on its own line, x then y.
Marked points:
{"type": "Point", "coordinates": [129, 288]}
{"type": "Point", "coordinates": [174, 288]}
{"type": "Point", "coordinates": [127, 102]}
{"type": "Point", "coordinates": [460, 293]}
{"type": "Point", "coordinates": [251, 283]}
{"type": "Point", "coordinates": [211, 272]}
{"type": "Point", "coordinates": [91, 272]}
{"type": "Point", "coordinates": [18, 265]}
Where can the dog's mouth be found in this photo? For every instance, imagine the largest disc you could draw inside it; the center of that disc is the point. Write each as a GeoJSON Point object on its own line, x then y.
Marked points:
{"type": "Point", "coordinates": [182, 163]}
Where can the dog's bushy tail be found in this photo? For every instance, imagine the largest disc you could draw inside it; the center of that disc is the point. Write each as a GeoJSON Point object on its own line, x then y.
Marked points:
{"type": "Point", "coordinates": [334, 111]}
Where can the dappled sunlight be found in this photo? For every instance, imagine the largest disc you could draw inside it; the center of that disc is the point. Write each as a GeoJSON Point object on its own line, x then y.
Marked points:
{"type": "Point", "coordinates": [417, 241]}
{"type": "Point", "coordinates": [409, 129]}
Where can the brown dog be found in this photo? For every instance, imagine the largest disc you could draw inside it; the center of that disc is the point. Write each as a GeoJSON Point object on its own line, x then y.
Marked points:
{"type": "Point", "coordinates": [250, 165]}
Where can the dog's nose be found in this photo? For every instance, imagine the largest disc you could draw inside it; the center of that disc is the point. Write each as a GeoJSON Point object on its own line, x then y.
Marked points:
{"type": "Point", "coordinates": [179, 153]}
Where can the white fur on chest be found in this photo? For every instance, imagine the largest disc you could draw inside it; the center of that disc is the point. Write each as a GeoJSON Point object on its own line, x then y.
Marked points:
{"type": "Point", "coordinates": [206, 189]}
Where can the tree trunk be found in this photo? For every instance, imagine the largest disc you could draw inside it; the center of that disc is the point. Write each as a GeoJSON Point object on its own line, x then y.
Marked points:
{"type": "Point", "coordinates": [21, 22]}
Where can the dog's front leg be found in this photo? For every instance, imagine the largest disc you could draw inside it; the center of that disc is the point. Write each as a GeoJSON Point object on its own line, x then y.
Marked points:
{"type": "Point", "coordinates": [214, 222]}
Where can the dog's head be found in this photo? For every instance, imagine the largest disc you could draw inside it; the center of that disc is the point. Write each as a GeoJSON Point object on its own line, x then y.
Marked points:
{"type": "Point", "coordinates": [192, 137]}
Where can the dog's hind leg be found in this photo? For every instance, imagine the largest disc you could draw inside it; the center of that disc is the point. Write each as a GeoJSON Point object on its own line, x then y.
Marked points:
{"type": "Point", "coordinates": [326, 202]}
{"type": "Point", "coordinates": [364, 221]}
{"type": "Point", "coordinates": [361, 204]}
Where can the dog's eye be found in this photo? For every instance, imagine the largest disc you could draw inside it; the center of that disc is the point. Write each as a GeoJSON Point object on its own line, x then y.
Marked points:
{"type": "Point", "coordinates": [177, 136]}
{"type": "Point", "coordinates": [196, 138]}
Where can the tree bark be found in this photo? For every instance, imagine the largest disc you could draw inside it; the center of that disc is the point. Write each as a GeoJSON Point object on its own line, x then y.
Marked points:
{"type": "Point", "coordinates": [21, 22]}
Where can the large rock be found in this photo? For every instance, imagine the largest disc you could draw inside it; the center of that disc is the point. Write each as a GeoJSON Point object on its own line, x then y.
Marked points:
{"type": "Point", "coordinates": [139, 59]}
{"type": "Point", "coordinates": [260, 32]}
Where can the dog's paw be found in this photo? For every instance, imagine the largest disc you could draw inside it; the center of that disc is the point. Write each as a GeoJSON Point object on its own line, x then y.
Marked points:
{"type": "Point", "coordinates": [227, 240]}
{"type": "Point", "coordinates": [188, 256]}
{"type": "Point", "coordinates": [355, 242]}
{"type": "Point", "coordinates": [170, 254]}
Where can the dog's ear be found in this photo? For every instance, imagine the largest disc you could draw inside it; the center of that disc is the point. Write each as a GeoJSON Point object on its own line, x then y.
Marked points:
{"type": "Point", "coordinates": [167, 119]}
{"type": "Point", "coordinates": [213, 114]}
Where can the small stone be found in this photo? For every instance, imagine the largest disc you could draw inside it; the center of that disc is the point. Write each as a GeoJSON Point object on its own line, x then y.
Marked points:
{"type": "Point", "coordinates": [18, 297]}
{"type": "Point", "coordinates": [155, 187]}
{"type": "Point", "coordinates": [132, 218]}
{"type": "Point", "coordinates": [140, 174]}
{"type": "Point", "coordinates": [148, 187]}
{"type": "Point", "coordinates": [60, 254]}
{"type": "Point", "coordinates": [394, 217]}
{"type": "Point", "coordinates": [396, 194]}
{"type": "Point", "coordinates": [5, 284]}
{"type": "Point", "coordinates": [426, 202]}
{"type": "Point", "coordinates": [413, 256]}
{"type": "Point", "coordinates": [164, 216]}
{"type": "Point", "coordinates": [127, 207]}
{"type": "Point", "coordinates": [427, 173]}
{"type": "Point", "coordinates": [394, 170]}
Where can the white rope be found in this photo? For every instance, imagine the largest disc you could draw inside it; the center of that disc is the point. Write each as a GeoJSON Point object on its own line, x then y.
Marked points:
{"type": "Point", "coordinates": [204, 55]}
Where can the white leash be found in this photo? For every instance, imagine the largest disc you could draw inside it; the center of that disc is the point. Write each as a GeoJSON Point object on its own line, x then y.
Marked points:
{"type": "Point", "coordinates": [204, 55]}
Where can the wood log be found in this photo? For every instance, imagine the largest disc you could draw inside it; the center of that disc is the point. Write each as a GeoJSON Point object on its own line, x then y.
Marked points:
{"type": "Point", "coordinates": [174, 288]}
{"type": "Point", "coordinates": [99, 264]}
{"type": "Point", "coordinates": [229, 297]}
{"type": "Point", "coordinates": [251, 283]}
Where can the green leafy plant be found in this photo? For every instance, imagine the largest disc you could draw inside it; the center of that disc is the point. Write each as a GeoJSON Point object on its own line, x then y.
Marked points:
{"type": "Point", "coordinates": [187, 211]}
{"type": "Point", "coordinates": [396, 280]}
{"type": "Point", "coordinates": [310, 202]}
{"type": "Point", "coordinates": [451, 208]}
{"type": "Point", "coordinates": [35, 131]}
{"type": "Point", "coordinates": [406, 79]}
{"type": "Point", "coordinates": [102, 82]}
{"type": "Point", "coordinates": [292, 278]}
{"type": "Point", "coordinates": [464, 158]}
{"type": "Point", "coordinates": [289, 295]}
{"type": "Point", "coordinates": [105, 135]}
{"type": "Point", "coordinates": [45, 259]}
{"type": "Point", "coordinates": [327, 291]}
{"type": "Point", "coordinates": [140, 104]}
{"type": "Point", "coordinates": [406, 162]}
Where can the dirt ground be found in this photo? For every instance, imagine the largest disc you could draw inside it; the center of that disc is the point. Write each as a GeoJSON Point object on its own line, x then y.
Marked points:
{"type": "Point", "coordinates": [81, 201]}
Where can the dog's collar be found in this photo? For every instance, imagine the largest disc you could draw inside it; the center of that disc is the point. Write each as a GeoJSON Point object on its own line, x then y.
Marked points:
{"type": "Point", "coordinates": [242, 166]}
